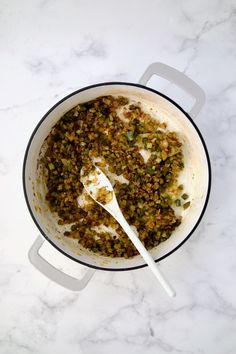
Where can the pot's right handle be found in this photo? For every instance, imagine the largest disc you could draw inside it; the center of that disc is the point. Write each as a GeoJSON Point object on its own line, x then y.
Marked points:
{"type": "Point", "coordinates": [55, 274]}
{"type": "Point", "coordinates": [180, 79]}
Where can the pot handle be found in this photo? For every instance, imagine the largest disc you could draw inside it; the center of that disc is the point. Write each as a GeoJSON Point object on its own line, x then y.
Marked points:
{"type": "Point", "coordinates": [55, 274]}
{"type": "Point", "coordinates": [181, 80]}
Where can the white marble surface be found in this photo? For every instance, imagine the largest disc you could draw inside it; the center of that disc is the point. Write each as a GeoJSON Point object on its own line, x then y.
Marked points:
{"type": "Point", "coordinates": [50, 48]}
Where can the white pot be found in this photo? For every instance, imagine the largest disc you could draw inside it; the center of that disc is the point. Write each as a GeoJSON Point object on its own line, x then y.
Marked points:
{"type": "Point", "coordinates": [196, 176]}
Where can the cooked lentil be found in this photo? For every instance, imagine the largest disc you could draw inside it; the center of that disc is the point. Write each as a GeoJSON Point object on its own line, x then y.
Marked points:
{"type": "Point", "coordinates": [104, 196]}
{"type": "Point", "coordinates": [95, 130]}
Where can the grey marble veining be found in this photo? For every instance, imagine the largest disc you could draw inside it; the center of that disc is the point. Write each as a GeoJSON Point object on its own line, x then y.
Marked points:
{"type": "Point", "coordinates": [50, 48]}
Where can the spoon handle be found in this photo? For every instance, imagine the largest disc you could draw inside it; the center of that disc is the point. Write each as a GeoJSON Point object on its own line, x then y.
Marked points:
{"type": "Point", "coordinates": [145, 254]}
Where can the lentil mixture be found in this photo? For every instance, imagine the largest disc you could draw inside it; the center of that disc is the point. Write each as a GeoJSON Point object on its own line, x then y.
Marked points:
{"type": "Point", "coordinates": [104, 196]}
{"type": "Point", "coordinates": [141, 157]}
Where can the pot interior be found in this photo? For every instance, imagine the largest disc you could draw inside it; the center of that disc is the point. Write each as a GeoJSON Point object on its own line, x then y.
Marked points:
{"type": "Point", "coordinates": [195, 176]}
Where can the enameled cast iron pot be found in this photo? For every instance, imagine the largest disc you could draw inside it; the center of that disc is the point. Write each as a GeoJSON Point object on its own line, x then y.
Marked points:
{"type": "Point", "coordinates": [196, 176]}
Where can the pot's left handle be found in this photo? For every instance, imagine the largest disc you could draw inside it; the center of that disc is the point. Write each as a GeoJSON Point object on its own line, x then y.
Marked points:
{"type": "Point", "coordinates": [55, 274]}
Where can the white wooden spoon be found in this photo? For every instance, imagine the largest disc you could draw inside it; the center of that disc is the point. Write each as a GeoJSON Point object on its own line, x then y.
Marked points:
{"type": "Point", "coordinates": [100, 189]}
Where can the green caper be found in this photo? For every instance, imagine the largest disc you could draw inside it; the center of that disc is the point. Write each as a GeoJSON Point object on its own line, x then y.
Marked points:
{"type": "Point", "coordinates": [185, 196]}
{"type": "Point", "coordinates": [186, 205]}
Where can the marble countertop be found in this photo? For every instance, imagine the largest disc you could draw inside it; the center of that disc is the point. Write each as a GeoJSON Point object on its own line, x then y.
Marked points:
{"type": "Point", "coordinates": [50, 48]}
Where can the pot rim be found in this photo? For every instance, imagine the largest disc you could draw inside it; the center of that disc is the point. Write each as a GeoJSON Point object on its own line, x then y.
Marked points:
{"type": "Point", "coordinates": [123, 84]}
